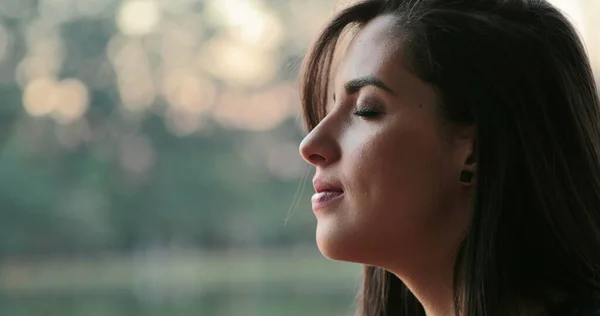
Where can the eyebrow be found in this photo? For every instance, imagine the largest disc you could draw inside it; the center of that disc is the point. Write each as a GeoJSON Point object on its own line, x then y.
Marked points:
{"type": "Point", "coordinates": [355, 85]}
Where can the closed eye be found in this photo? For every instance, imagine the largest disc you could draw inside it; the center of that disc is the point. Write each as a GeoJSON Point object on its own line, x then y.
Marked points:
{"type": "Point", "coordinates": [368, 112]}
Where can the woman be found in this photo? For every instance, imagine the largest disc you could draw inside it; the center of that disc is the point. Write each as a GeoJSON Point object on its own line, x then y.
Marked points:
{"type": "Point", "coordinates": [457, 154]}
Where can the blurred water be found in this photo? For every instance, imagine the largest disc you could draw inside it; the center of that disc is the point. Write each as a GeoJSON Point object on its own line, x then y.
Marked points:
{"type": "Point", "coordinates": [179, 283]}
{"type": "Point", "coordinates": [261, 303]}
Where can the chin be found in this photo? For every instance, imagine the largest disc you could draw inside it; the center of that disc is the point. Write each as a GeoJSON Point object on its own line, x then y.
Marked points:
{"type": "Point", "coordinates": [338, 245]}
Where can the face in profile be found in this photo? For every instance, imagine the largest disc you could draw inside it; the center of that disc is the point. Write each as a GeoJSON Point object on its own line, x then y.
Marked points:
{"type": "Point", "coordinates": [387, 182]}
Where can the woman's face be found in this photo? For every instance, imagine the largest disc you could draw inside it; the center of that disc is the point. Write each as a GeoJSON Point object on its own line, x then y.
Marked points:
{"type": "Point", "coordinates": [387, 173]}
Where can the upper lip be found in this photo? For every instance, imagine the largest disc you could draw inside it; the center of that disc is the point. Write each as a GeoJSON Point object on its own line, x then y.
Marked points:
{"type": "Point", "coordinates": [321, 185]}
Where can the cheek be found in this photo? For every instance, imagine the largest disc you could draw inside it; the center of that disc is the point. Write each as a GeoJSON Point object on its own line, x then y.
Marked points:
{"type": "Point", "coordinates": [398, 159]}
{"type": "Point", "coordinates": [398, 182]}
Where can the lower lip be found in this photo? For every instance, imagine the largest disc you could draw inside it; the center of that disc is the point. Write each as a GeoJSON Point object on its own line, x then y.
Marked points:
{"type": "Point", "coordinates": [321, 199]}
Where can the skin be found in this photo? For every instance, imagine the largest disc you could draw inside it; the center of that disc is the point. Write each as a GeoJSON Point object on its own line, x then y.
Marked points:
{"type": "Point", "coordinates": [403, 206]}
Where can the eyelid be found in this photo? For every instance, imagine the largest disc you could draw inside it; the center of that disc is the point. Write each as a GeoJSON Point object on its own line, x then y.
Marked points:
{"type": "Point", "coordinates": [369, 106]}
{"type": "Point", "coordinates": [366, 99]}
{"type": "Point", "coordinates": [369, 109]}
{"type": "Point", "coordinates": [375, 105]}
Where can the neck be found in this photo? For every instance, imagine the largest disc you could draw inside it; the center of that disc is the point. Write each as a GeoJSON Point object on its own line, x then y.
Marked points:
{"type": "Point", "coordinates": [432, 286]}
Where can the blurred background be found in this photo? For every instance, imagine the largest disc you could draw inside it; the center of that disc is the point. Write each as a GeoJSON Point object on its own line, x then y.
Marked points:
{"type": "Point", "coordinates": [149, 158]}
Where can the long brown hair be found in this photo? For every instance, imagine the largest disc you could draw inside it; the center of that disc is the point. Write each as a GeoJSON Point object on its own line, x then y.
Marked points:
{"type": "Point", "coordinates": [518, 71]}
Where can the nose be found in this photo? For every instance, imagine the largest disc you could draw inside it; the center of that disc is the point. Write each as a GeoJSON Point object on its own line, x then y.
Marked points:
{"type": "Point", "coordinates": [320, 147]}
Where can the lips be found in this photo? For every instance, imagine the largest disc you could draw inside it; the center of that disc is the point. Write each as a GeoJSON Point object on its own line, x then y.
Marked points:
{"type": "Point", "coordinates": [326, 193]}
{"type": "Point", "coordinates": [319, 200]}
{"type": "Point", "coordinates": [321, 185]}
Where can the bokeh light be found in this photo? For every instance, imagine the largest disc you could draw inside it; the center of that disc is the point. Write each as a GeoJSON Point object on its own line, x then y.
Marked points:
{"type": "Point", "coordinates": [66, 100]}
{"type": "Point", "coordinates": [237, 63]}
{"type": "Point", "coordinates": [189, 92]}
{"type": "Point", "coordinates": [138, 17]}
{"type": "Point", "coordinates": [249, 22]}
{"type": "Point", "coordinates": [255, 112]}
{"type": "Point", "coordinates": [73, 100]}
{"type": "Point", "coordinates": [39, 97]}
{"type": "Point", "coordinates": [134, 74]}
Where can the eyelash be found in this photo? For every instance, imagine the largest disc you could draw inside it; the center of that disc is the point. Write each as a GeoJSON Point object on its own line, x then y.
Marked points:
{"type": "Point", "coordinates": [367, 112]}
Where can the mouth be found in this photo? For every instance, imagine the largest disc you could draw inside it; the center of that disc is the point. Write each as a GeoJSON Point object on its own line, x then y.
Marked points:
{"type": "Point", "coordinates": [326, 193]}
{"type": "Point", "coordinates": [322, 199]}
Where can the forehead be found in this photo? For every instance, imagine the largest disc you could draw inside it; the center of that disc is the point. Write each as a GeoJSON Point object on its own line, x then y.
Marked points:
{"type": "Point", "coordinates": [375, 50]}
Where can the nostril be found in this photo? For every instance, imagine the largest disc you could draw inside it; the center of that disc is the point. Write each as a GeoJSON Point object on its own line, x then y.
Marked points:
{"type": "Point", "coordinates": [316, 159]}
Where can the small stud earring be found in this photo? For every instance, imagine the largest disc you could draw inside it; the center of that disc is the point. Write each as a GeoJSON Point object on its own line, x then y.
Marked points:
{"type": "Point", "coordinates": [466, 176]}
